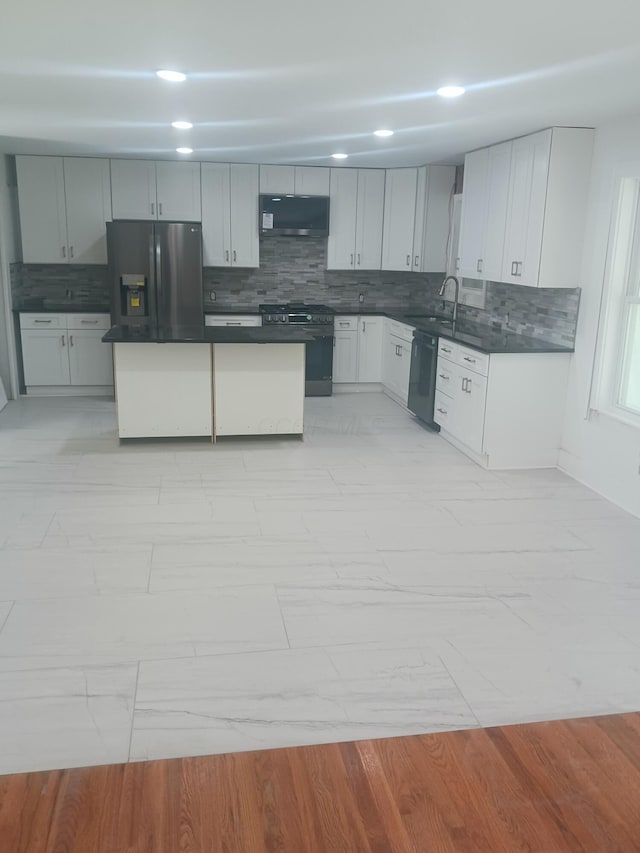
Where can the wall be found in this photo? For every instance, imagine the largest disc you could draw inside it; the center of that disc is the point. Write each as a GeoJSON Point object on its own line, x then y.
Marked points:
{"type": "Point", "coordinates": [9, 253]}
{"type": "Point", "coordinates": [598, 450]}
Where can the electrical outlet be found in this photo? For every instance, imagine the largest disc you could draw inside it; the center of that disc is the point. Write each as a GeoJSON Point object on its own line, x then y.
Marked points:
{"type": "Point", "coordinates": [212, 296]}
{"type": "Point", "coordinates": [361, 297]}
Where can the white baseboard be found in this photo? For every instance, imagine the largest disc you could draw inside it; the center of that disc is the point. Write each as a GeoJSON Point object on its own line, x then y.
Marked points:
{"type": "Point", "coordinates": [70, 391]}
{"type": "Point", "coordinates": [357, 387]}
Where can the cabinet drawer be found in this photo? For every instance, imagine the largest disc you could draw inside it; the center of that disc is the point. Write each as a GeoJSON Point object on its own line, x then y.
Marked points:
{"type": "Point", "coordinates": [89, 321]}
{"type": "Point", "coordinates": [473, 360]}
{"type": "Point", "coordinates": [400, 330]}
{"type": "Point", "coordinates": [232, 320]}
{"type": "Point", "coordinates": [43, 321]}
{"type": "Point", "coordinates": [447, 349]}
{"type": "Point", "coordinates": [445, 376]}
{"type": "Point", "coordinates": [346, 324]}
{"type": "Point", "coordinates": [443, 409]}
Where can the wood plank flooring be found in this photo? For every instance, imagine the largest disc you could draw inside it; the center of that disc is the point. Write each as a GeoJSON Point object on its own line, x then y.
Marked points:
{"type": "Point", "coordinates": [571, 785]}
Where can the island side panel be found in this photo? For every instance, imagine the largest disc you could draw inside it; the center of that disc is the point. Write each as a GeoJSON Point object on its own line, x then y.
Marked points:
{"type": "Point", "coordinates": [259, 389]}
{"type": "Point", "coordinates": [163, 390]}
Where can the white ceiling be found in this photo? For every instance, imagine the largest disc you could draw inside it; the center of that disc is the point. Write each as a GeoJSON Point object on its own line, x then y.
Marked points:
{"type": "Point", "coordinates": [290, 81]}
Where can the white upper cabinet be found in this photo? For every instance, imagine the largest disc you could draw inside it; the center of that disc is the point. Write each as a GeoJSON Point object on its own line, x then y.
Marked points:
{"type": "Point", "coordinates": [42, 210]}
{"type": "Point", "coordinates": [312, 180]}
{"type": "Point", "coordinates": [399, 219]}
{"type": "Point", "coordinates": [144, 189]}
{"type": "Point", "coordinates": [230, 215]}
{"type": "Point", "coordinates": [133, 189]}
{"type": "Point", "coordinates": [474, 210]}
{"type": "Point", "coordinates": [433, 221]}
{"type": "Point", "coordinates": [216, 215]}
{"type": "Point", "coordinates": [178, 192]}
{"type": "Point", "coordinates": [277, 179]}
{"type": "Point", "coordinates": [369, 218]}
{"type": "Point", "coordinates": [343, 203]}
{"type": "Point", "coordinates": [295, 180]}
{"type": "Point", "coordinates": [64, 207]}
{"type": "Point", "coordinates": [523, 209]}
{"type": "Point", "coordinates": [88, 196]}
{"type": "Point", "coordinates": [245, 244]}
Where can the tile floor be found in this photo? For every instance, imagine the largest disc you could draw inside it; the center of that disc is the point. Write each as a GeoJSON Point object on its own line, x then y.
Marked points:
{"type": "Point", "coordinates": [172, 599]}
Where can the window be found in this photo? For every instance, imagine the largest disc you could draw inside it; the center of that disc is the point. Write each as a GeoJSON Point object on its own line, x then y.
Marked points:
{"type": "Point", "coordinates": [620, 364]}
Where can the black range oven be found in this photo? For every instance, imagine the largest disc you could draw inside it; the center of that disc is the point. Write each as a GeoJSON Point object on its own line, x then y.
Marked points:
{"type": "Point", "coordinates": [317, 319]}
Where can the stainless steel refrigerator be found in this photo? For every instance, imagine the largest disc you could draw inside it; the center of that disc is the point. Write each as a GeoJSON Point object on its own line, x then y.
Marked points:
{"type": "Point", "coordinates": [155, 270]}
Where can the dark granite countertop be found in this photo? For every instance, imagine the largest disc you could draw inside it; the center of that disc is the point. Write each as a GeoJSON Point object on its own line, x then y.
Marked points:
{"type": "Point", "coordinates": [231, 309]}
{"type": "Point", "coordinates": [207, 335]}
{"type": "Point", "coordinates": [44, 306]}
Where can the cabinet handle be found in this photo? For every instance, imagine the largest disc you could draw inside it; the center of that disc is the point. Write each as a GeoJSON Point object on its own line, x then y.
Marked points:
{"type": "Point", "coordinates": [233, 323]}
{"type": "Point", "coordinates": [358, 258]}
{"type": "Point", "coordinates": [468, 388]}
{"type": "Point", "coordinates": [444, 376]}
{"type": "Point", "coordinates": [42, 321]}
{"type": "Point", "coordinates": [153, 209]}
{"type": "Point", "coordinates": [518, 268]}
{"type": "Point", "coordinates": [343, 325]}
{"type": "Point", "coordinates": [408, 260]}
{"type": "Point", "coordinates": [235, 257]}
{"type": "Point", "coordinates": [160, 209]}
{"type": "Point", "coordinates": [444, 349]}
{"type": "Point", "coordinates": [70, 340]}
{"type": "Point", "coordinates": [62, 339]}
{"type": "Point", "coordinates": [70, 251]}
{"type": "Point", "coordinates": [514, 267]}
{"type": "Point", "coordinates": [442, 411]}
{"type": "Point", "coordinates": [416, 261]}
{"type": "Point", "coordinates": [479, 265]}
{"type": "Point", "coordinates": [464, 387]}
{"type": "Point", "coordinates": [226, 255]}
{"type": "Point", "coordinates": [351, 259]}
{"type": "Point", "coordinates": [64, 251]}
{"type": "Point", "coordinates": [457, 264]}
{"type": "Point", "coordinates": [470, 360]}
{"type": "Point", "coordinates": [89, 322]}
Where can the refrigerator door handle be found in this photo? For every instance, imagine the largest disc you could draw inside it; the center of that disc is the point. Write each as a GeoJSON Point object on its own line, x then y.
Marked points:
{"type": "Point", "coordinates": [158, 276]}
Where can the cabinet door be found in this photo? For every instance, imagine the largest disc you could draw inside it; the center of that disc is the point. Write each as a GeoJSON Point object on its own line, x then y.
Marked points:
{"type": "Point", "coordinates": [370, 336]}
{"type": "Point", "coordinates": [404, 371]}
{"type": "Point", "coordinates": [345, 356]}
{"type": "Point", "coordinates": [90, 361]}
{"type": "Point", "coordinates": [42, 210]}
{"type": "Point", "coordinates": [437, 233]}
{"type": "Point", "coordinates": [87, 185]}
{"type": "Point", "coordinates": [277, 179]}
{"type": "Point", "coordinates": [245, 246]}
{"type": "Point", "coordinates": [133, 189]}
{"type": "Point", "coordinates": [312, 180]}
{"type": "Point", "coordinates": [369, 219]}
{"type": "Point", "coordinates": [474, 209]}
{"type": "Point", "coordinates": [216, 215]}
{"type": "Point", "coordinates": [419, 219]}
{"type": "Point", "coordinates": [525, 210]}
{"type": "Point", "coordinates": [399, 218]}
{"type": "Point", "coordinates": [390, 361]}
{"type": "Point", "coordinates": [178, 192]}
{"type": "Point", "coordinates": [343, 199]}
{"type": "Point", "coordinates": [44, 357]}
{"type": "Point", "coordinates": [470, 398]}
{"type": "Point", "coordinates": [498, 175]}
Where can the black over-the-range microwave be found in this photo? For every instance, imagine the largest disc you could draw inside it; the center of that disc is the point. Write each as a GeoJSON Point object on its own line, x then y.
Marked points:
{"type": "Point", "coordinates": [295, 215]}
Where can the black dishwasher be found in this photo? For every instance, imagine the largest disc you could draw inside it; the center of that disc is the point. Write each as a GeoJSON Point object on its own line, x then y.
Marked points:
{"type": "Point", "coordinates": [422, 378]}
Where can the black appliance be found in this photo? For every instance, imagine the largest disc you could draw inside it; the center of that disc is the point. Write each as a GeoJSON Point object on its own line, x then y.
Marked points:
{"type": "Point", "coordinates": [317, 319]}
{"type": "Point", "coordinates": [155, 270]}
{"type": "Point", "coordinates": [294, 215]}
{"type": "Point", "coordinates": [422, 377]}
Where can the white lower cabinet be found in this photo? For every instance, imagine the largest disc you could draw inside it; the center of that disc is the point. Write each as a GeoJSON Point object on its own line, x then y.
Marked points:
{"type": "Point", "coordinates": [503, 410]}
{"type": "Point", "coordinates": [370, 330]}
{"type": "Point", "coordinates": [61, 352]}
{"type": "Point", "coordinates": [358, 349]}
{"type": "Point", "coordinates": [396, 363]}
{"type": "Point", "coordinates": [345, 356]}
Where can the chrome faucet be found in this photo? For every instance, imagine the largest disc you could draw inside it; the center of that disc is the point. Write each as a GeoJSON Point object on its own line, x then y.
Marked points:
{"type": "Point", "coordinates": [444, 287]}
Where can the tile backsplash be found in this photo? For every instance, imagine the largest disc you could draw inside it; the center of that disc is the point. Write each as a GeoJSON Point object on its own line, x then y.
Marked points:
{"type": "Point", "coordinates": [293, 268]}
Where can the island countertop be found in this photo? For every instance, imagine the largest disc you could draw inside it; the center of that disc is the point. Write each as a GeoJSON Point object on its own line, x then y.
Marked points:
{"type": "Point", "coordinates": [207, 335]}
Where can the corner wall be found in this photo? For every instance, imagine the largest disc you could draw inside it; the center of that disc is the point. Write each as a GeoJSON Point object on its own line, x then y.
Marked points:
{"type": "Point", "coordinates": [598, 450]}
{"type": "Point", "coordinates": [9, 253]}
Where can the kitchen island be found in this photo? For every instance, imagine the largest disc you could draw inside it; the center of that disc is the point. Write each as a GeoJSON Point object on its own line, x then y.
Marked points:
{"type": "Point", "coordinates": [188, 381]}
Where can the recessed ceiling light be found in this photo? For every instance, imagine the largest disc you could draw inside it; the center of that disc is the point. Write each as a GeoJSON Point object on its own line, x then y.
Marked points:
{"type": "Point", "coordinates": [182, 150]}
{"type": "Point", "coordinates": [182, 125]}
{"type": "Point", "coordinates": [276, 199]}
{"type": "Point", "coordinates": [339, 156]}
{"type": "Point", "coordinates": [450, 91]}
{"type": "Point", "coordinates": [172, 76]}
{"type": "Point", "coordinates": [383, 133]}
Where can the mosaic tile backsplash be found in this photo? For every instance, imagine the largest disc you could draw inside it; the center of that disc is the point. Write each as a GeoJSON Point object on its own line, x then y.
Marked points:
{"type": "Point", "coordinates": [293, 269]}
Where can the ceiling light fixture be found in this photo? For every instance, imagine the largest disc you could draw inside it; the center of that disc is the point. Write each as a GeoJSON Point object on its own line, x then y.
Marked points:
{"type": "Point", "coordinates": [339, 156]}
{"type": "Point", "coordinates": [276, 199]}
{"type": "Point", "coordinates": [171, 76]}
{"type": "Point", "coordinates": [182, 125]}
{"type": "Point", "coordinates": [450, 91]}
{"type": "Point", "coordinates": [183, 150]}
{"type": "Point", "coordinates": [383, 133]}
